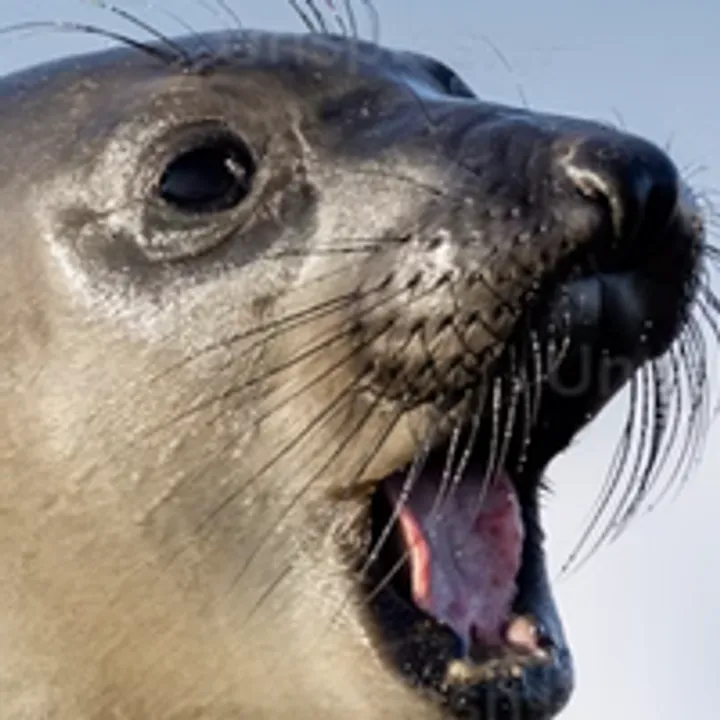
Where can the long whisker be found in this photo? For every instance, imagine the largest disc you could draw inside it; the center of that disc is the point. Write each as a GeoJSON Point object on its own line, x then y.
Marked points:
{"type": "Point", "coordinates": [304, 17]}
{"type": "Point", "coordinates": [167, 58]}
{"type": "Point", "coordinates": [305, 487]}
{"type": "Point", "coordinates": [317, 16]}
{"type": "Point", "coordinates": [352, 20]}
{"type": "Point", "coordinates": [178, 49]}
{"type": "Point", "coordinates": [339, 19]}
{"type": "Point", "coordinates": [306, 387]}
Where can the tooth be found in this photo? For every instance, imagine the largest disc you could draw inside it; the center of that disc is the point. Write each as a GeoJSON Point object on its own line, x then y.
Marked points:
{"type": "Point", "coordinates": [458, 672]}
{"type": "Point", "coordinates": [522, 634]}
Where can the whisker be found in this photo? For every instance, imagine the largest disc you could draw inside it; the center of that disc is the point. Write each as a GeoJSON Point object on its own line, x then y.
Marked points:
{"type": "Point", "coordinates": [411, 476]}
{"type": "Point", "coordinates": [305, 487]}
{"type": "Point", "coordinates": [352, 20]}
{"type": "Point", "coordinates": [270, 463]}
{"type": "Point", "coordinates": [304, 17]}
{"type": "Point", "coordinates": [234, 17]}
{"type": "Point", "coordinates": [339, 20]}
{"type": "Point", "coordinates": [374, 449]}
{"type": "Point", "coordinates": [374, 16]}
{"type": "Point", "coordinates": [317, 16]}
{"type": "Point", "coordinates": [272, 587]}
{"type": "Point", "coordinates": [313, 382]}
{"type": "Point", "coordinates": [73, 27]}
{"type": "Point", "coordinates": [169, 43]}
{"type": "Point", "coordinates": [622, 452]}
{"type": "Point", "coordinates": [201, 38]}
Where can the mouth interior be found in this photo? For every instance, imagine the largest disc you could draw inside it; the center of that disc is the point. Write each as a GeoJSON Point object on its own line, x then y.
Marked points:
{"type": "Point", "coordinates": [463, 545]}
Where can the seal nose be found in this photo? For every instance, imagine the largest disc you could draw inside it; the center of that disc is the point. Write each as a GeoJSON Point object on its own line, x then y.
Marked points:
{"type": "Point", "coordinates": [635, 298]}
{"type": "Point", "coordinates": [636, 182]}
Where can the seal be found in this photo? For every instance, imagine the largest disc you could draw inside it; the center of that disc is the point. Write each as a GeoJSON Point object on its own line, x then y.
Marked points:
{"type": "Point", "coordinates": [290, 331]}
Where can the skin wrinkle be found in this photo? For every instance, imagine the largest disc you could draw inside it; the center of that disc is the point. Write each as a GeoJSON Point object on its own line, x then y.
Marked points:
{"type": "Point", "coordinates": [184, 464]}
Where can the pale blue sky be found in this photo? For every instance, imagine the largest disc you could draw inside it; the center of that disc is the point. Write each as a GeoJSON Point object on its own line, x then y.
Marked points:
{"type": "Point", "coordinates": [643, 615]}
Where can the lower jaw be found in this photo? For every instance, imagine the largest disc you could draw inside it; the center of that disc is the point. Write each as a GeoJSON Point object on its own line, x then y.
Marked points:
{"type": "Point", "coordinates": [502, 682]}
{"type": "Point", "coordinates": [506, 687]}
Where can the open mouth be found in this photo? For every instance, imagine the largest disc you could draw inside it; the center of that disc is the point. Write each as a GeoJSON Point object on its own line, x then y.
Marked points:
{"type": "Point", "coordinates": [459, 588]}
{"type": "Point", "coordinates": [459, 551]}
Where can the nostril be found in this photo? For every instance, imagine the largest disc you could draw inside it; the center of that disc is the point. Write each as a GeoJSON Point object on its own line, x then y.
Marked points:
{"type": "Point", "coordinates": [634, 180]}
{"type": "Point", "coordinates": [595, 187]}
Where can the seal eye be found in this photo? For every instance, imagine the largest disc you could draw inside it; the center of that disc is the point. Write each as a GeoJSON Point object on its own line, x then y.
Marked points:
{"type": "Point", "coordinates": [207, 179]}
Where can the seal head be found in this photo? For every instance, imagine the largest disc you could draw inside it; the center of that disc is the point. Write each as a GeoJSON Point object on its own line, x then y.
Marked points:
{"type": "Point", "coordinates": [290, 334]}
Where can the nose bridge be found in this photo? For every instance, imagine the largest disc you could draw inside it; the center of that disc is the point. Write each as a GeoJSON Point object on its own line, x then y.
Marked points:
{"type": "Point", "coordinates": [572, 172]}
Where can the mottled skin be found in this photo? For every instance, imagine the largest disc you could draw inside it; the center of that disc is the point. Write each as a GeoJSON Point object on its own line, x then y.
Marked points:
{"type": "Point", "coordinates": [174, 456]}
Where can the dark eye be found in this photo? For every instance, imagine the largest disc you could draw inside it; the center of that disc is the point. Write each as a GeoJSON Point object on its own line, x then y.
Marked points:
{"type": "Point", "coordinates": [210, 178]}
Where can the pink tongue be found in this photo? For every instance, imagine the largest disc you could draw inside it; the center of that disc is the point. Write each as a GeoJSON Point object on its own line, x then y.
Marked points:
{"type": "Point", "coordinates": [464, 554]}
